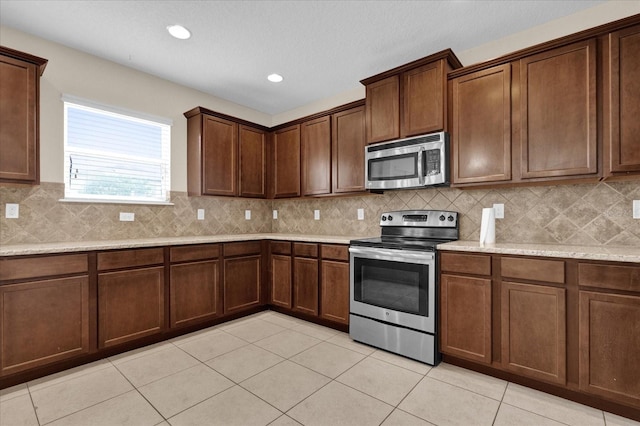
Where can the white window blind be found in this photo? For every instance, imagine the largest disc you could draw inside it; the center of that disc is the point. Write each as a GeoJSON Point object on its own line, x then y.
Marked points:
{"type": "Point", "coordinates": [112, 155]}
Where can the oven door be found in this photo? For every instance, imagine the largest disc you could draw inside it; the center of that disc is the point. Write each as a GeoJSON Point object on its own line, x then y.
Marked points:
{"type": "Point", "coordinates": [394, 286]}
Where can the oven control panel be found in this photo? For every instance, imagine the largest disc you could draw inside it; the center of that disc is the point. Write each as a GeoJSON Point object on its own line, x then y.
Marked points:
{"type": "Point", "coordinates": [420, 218]}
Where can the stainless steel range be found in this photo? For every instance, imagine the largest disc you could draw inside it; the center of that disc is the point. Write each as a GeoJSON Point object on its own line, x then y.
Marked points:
{"type": "Point", "coordinates": [393, 279]}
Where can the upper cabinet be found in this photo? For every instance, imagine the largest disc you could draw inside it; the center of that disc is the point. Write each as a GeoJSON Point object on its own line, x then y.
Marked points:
{"type": "Point", "coordinates": [347, 150]}
{"type": "Point", "coordinates": [565, 110]}
{"type": "Point", "coordinates": [409, 100]}
{"type": "Point", "coordinates": [316, 156]}
{"type": "Point", "coordinates": [19, 116]}
{"type": "Point", "coordinates": [225, 156]}
{"type": "Point", "coordinates": [285, 156]}
{"type": "Point", "coordinates": [622, 103]}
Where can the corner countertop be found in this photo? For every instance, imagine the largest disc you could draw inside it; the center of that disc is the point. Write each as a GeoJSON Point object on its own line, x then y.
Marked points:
{"type": "Point", "coordinates": [79, 246]}
{"type": "Point", "coordinates": [604, 253]}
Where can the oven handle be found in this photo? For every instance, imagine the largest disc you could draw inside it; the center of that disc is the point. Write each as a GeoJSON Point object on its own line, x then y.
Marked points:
{"type": "Point", "coordinates": [382, 254]}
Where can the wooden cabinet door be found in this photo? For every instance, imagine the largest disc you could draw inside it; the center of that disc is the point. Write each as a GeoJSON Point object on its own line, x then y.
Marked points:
{"type": "Point", "coordinates": [130, 305]}
{"type": "Point", "coordinates": [18, 121]}
{"type": "Point", "coordinates": [481, 133]}
{"type": "Point", "coordinates": [316, 156]}
{"type": "Point", "coordinates": [43, 322]}
{"type": "Point", "coordinates": [424, 99]}
{"type": "Point", "coordinates": [348, 144]}
{"type": "Point", "coordinates": [305, 284]}
{"type": "Point", "coordinates": [219, 156]}
{"type": "Point", "coordinates": [253, 162]}
{"type": "Point", "coordinates": [281, 281]}
{"type": "Point", "coordinates": [622, 137]}
{"type": "Point", "coordinates": [558, 112]}
{"type": "Point", "coordinates": [241, 283]}
{"type": "Point", "coordinates": [533, 325]}
{"type": "Point", "coordinates": [383, 110]}
{"type": "Point", "coordinates": [194, 292]}
{"type": "Point", "coordinates": [465, 317]}
{"type": "Point", "coordinates": [334, 291]}
{"type": "Point", "coordinates": [609, 346]}
{"type": "Point", "coordinates": [286, 162]}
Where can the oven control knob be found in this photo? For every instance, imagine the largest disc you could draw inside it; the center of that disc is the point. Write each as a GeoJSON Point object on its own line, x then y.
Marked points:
{"type": "Point", "coordinates": [450, 218]}
{"type": "Point", "coordinates": [384, 218]}
{"type": "Point", "coordinates": [442, 218]}
{"type": "Point", "coordinates": [390, 217]}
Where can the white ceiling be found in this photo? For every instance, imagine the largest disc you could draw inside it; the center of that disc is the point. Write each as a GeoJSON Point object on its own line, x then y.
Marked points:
{"type": "Point", "coordinates": [322, 48]}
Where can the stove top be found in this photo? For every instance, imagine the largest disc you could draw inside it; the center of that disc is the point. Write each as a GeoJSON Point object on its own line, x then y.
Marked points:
{"type": "Point", "coordinates": [420, 230]}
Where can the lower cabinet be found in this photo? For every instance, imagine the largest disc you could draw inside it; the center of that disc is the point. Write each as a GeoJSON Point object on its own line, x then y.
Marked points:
{"type": "Point", "coordinates": [305, 284]}
{"type": "Point", "coordinates": [242, 276]}
{"type": "Point", "coordinates": [43, 322]}
{"type": "Point", "coordinates": [534, 331]}
{"type": "Point", "coordinates": [194, 286]}
{"type": "Point", "coordinates": [280, 274]}
{"type": "Point", "coordinates": [334, 283]}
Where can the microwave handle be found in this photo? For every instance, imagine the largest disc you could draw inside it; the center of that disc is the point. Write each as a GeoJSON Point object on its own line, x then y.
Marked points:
{"type": "Point", "coordinates": [421, 161]}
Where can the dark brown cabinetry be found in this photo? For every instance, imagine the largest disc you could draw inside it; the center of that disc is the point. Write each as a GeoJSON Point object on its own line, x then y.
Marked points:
{"type": "Point", "coordinates": [316, 156]}
{"type": "Point", "coordinates": [131, 298]}
{"type": "Point", "coordinates": [19, 116]}
{"type": "Point", "coordinates": [557, 112]}
{"type": "Point", "coordinates": [622, 103]}
{"type": "Point", "coordinates": [334, 283]}
{"type": "Point", "coordinates": [281, 274]}
{"type": "Point", "coordinates": [347, 150]}
{"type": "Point", "coordinates": [305, 278]}
{"type": "Point", "coordinates": [409, 100]}
{"type": "Point", "coordinates": [481, 127]}
{"type": "Point", "coordinates": [224, 156]}
{"type": "Point", "coordinates": [609, 330]}
{"type": "Point", "coordinates": [44, 319]}
{"type": "Point", "coordinates": [194, 290]}
{"type": "Point", "coordinates": [466, 306]}
{"type": "Point", "coordinates": [286, 162]}
{"type": "Point", "coordinates": [242, 276]}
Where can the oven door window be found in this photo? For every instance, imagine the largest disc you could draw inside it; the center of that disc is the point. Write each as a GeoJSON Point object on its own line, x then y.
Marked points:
{"type": "Point", "coordinates": [398, 286]}
{"type": "Point", "coordinates": [404, 166]}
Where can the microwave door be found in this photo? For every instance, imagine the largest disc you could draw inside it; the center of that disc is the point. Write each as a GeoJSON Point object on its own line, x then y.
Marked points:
{"type": "Point", "coordinates": [400, 170]}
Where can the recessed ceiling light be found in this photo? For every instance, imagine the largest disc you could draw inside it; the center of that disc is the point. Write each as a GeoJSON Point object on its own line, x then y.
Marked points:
{"type": "Point", "coordinates": [178, 31]}
{"type": "Point", "coordinates": [274, 78]}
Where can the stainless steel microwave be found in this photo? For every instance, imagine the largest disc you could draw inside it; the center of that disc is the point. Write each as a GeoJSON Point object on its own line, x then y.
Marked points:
{"type": "Point", "coordinates": [408, 163]}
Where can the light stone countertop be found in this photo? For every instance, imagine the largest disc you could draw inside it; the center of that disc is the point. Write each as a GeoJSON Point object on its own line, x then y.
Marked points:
{"type": "Point", "coordinates": [78, 246]}
{"type": "Point", "coordinates": [605, 253]}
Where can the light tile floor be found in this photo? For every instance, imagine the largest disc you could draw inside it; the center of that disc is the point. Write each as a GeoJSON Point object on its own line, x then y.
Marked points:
{"type": "Point", "coordinates": [273, 369]}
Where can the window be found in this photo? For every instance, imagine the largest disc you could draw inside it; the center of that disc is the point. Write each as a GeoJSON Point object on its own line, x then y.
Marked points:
{"type": "Point", "coordinates": [113, 155]}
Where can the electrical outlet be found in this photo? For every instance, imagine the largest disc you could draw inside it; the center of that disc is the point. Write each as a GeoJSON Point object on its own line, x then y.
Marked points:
{"type": "Point", "coordinates": [360, 214]}
{"type": "Point", "coordinates": [12, 211]}
{"type": "Point", "coordinates": [200, 214]}
{"type": "Point", "coordinates": [247, 215]}
{"type": "Point", "coordinates": [275, 214]}
{"type": "Point", "coordinates": [498, 209]}
{"type": "Point", "coordinates": [316, 214]}
{"type": "Point", "coordinates": [127, 217]}
{"type": "Point", "coordinates": [636, 209]}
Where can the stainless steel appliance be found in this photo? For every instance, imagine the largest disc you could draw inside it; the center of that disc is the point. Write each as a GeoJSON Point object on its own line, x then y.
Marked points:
{"type": "Point", "coordinates": [408, 163]}
{"type": "Point", "coordinates": [394, 300]}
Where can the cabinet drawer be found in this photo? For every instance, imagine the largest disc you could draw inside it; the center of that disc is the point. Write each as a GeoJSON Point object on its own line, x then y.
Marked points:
{"type": "Point", "coordinates": [281, 247]}
{"type": "Point", "coordinates": [305, 249]}
{"type": "Point", "coordinates": [476, 264]}
{"type": "Point", "coordinates": [335, 252]}
{"type": "Point", "coordinates": [609, 276]}
{"type": "Point", "coordinates": [550, 271]}
{"type": "Point", "coordinates": [242, 248]}
{"type": "Point", "coordinates": [130, 258]}
{"type": "Point", "coordinates": [42, 266]}
{"type": "Point", "coordinates": [196, 252]}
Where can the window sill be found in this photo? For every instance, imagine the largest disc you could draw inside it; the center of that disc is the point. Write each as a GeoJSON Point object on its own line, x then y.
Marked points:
{"type": "Point", "coordinates": [92, 201]}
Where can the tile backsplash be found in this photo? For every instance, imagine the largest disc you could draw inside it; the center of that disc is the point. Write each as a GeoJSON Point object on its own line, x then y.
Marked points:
{"type": "Point", "coordinates": [584, 214]}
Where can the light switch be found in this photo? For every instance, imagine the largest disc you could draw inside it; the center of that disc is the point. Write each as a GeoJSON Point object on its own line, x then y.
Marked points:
{"type": "Point", "coordinates": [636, 209]}
{"type": "Point", "coordinates": [127, 217]}
{"type": "Point", "coordinates": [360, 214]}
{"type": "Point", "coordinates": [200, 214]}
{"type": "Point", "coordinates": [12, 211]}
{"type": "Point", "coordinates": [316, 214]}
{"type": "Point", "coordinates": [275, 214]}
{"type": "Point", "coordinates": [247, 215]}
{"type": "Point", "coordinates": [498, 209]}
